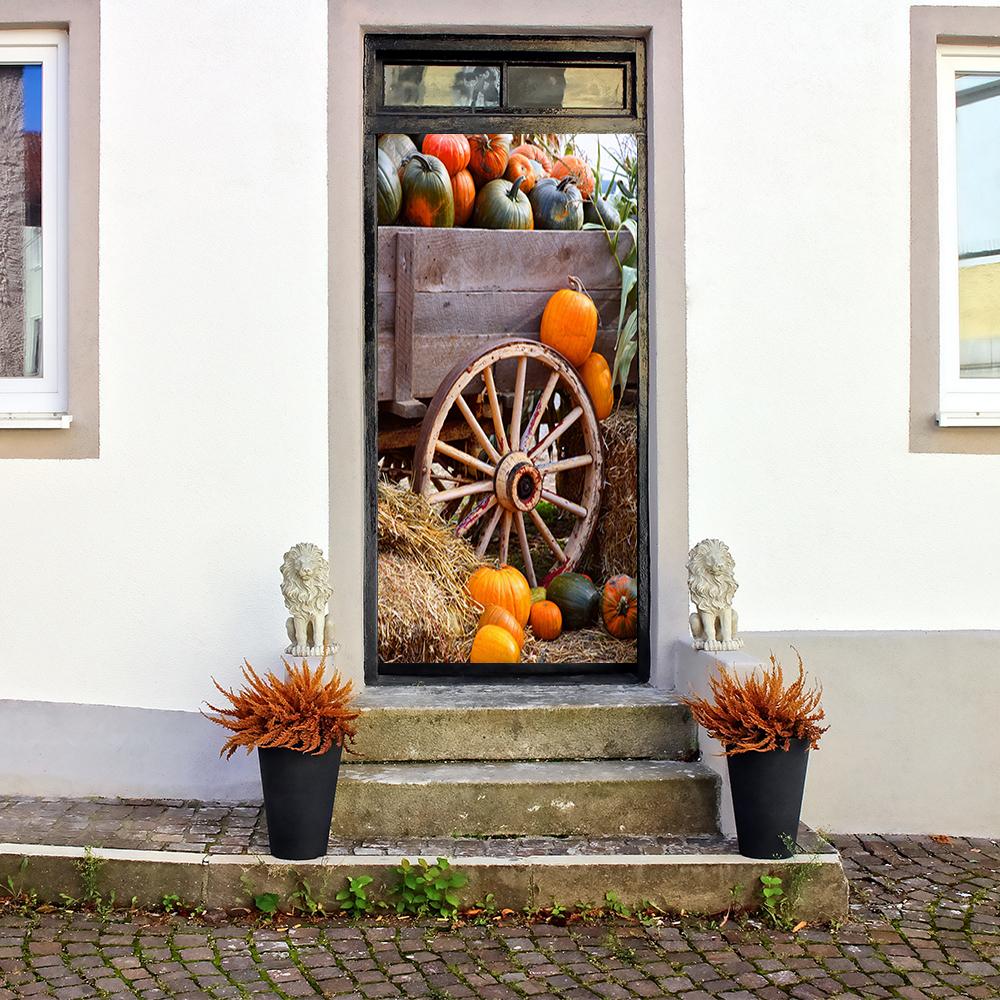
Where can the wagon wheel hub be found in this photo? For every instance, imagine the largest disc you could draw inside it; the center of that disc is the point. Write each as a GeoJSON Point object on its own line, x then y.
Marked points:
{"type": "Point", "coordinates": [518, 484]}
{"type": "Point", "coordinates": [510, 461]}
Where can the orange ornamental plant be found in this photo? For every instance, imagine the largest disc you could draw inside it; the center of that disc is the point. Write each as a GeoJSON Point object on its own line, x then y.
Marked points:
{"type": "Point", "coordinates": [307, 711]}
{"type": "Point", "coordinates": [758, 711]}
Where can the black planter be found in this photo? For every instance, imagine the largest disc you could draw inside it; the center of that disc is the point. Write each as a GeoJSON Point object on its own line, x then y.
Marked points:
{"type": "Point", "coordinates": [767, 798]}
{"type": "Point", "coordinates": [298, 799]}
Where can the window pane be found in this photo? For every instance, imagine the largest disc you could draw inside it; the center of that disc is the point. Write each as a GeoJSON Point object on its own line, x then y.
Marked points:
{"type": "Point", "coordinates": [566, 87]}
{"type": "Point", "coordinates": [442, 86]}
{"type": "Point", "coordinates": [978, 164]}
{"type": "Point", "coordinates": [20, 220]}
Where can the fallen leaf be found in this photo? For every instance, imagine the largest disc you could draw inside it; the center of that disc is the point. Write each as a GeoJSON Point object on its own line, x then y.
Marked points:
{"type": "Point", "coordinates": [799, 926]}
{"type": "Point", "coordinates": [940, 838]}
{"type": "Point", "coordinates": [724, 920]}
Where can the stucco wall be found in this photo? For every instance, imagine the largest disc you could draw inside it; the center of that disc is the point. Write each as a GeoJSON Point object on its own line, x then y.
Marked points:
{"type": "Point", "coordinates": [128, 580]}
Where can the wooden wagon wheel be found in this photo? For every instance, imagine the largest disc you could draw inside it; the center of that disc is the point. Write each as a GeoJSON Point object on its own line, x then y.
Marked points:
{"type": "Point", "coordinates": [514, 469]}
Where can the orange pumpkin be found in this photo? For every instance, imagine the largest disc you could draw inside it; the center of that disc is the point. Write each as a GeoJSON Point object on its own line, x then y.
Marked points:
{"type": "Point", "coordinates": [620, 607]}
{"type": "Point", "coordinates": [596, 375]}
{"type": "Point", "coordinates": [569, 322]}
{"type": "Point", "coordinates": [505, 586]}
{"type": "Point", "coordinates": [533, 152]}
{"type": "Point", "coordinates": [451, 149]}
{"type": "Point", "coordinates": [574, 166]}
{"type": "Point", "coordinates": [520, 166]}
{"type": "Point", "coordinates": [494, 644]}
{"type": "Point", "coordinates": [495, 615]}
{"type": "Point", "coordinates": [488, 159]}
{"type": "Point", "coordinates": [463, 188]}
{"type": "Point", "coordinates": [546, 620]}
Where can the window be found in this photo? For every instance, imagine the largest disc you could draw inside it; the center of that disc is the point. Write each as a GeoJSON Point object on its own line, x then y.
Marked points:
{"type": "Point", "coordinates": [33, 190]}
{"type": "Point", "coordinates": [495, 168]}
{"type": "Point", "coordinates": [969, 210]}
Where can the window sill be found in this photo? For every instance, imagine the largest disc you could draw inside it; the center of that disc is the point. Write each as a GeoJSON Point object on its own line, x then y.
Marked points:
{"type": "Point", "coordinates": [35, 421]}
{"type": "Point", "coordinates": [969, 418]}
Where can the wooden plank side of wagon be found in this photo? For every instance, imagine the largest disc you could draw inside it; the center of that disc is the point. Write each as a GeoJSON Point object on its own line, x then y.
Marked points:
{"type": "Point", "coordinates": [465, 289]}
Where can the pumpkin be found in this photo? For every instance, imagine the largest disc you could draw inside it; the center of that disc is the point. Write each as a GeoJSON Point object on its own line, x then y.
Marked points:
{"type": "Point", "coordinates": [520, 166]}
{"type": "Point", "coordinates": [452, 149]}
{"type": "Point", "coordinates": [488, 157]}
{"type": "Point", "coordinates": [577, 598]}
{"type": "Point", "coordinates": [493, 614]}
{"type": "Point", "coordinates": [463, 190]}
{"type": "Point", "coordinates": [502, 205]}
{"type": "Point", "coordinates": [536, 153]}
{"type": "Point", "coordinates": [574, 166]}
{"type": "Point", "coordinates": [427, 197]}
{"type": "Point", "coordinates": [505, 586]}
{"type": "Point", "coordinates": [397, 147]}
{"type": "Point", "coordinates": [596, 376]}
{"type": "Point", "coordinates": [494, 644]}
{"type": "Point", "coordinates": [537, 594]}
{"type": "Point", "coordinates": [388, 192]}
{"type": "Point", "coordinates": [620, 607]}
{"type": "Point", "coordinates": [601, 213]}
{"type": "Point", "coordinates": [556, 204]}
{"type": "Point", "coordinates": [546, 620]}
{"type": "Point", "coordinates": [569, 322]}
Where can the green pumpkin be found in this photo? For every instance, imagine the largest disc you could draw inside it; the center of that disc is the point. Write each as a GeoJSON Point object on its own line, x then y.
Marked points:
{"type": "Point", "coordinates": [557, 204]}
{"type": "Point", "coordinates": [427, 193]}
{"type": "Point", "coordinates": [388, 190]}
{"type": "Point", "coordinates": [601, 213]}
{"type": "Point", "coordinates": [501, 204]}
{"type": "Point", "coordinates": [576, 597]}
{"type": "Point", "coordinates": [397, 147]}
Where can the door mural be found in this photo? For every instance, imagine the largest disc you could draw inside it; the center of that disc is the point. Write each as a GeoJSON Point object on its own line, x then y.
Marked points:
{"type": "Point", "coordinates": [507, 349]}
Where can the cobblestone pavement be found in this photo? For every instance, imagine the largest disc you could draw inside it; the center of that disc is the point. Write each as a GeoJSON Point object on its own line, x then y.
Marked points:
{"type": "Point", "coordinates": [926, 923]}
{"type": "Point", "coordinates": [240, 828]}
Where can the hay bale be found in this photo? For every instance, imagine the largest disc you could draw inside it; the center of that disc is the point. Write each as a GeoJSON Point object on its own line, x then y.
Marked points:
{"type": "Point", "coordinates": [425, 614]}
{"type": "Point", "coordinates": [616, 540]}
{"type": "Point", "coordinates": [586, 645]}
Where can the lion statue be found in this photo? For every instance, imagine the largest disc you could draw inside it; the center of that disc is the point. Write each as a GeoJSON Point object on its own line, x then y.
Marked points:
{"type": "Point", "coordinates": [305, 586]}
{"type": "Point", "coordinates": [712, 585]}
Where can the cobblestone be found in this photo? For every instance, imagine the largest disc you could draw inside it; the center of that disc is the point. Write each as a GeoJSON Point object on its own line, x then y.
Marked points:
{"type": "Point", "coordinates": [925, 923]}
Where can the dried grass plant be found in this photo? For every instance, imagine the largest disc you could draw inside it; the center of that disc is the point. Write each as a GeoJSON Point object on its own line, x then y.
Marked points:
{"type": "Point", "coordinates": [758, 711]}
{"type": "Point", "coordinates": [305, 712]}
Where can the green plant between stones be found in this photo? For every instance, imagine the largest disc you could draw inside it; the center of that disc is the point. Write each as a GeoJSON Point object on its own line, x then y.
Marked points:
{"type": "Point", "coordinates": [353, 898]}
{"type": "Point", "coordinates": [424, 889]}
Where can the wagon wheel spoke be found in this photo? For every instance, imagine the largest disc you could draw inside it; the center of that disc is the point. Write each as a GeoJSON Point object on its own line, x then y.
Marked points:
{"type": "Point", "coordinates": [480, 435]}
{"type": "Point", "coordinates": [443, 496]}
{"type": "Point", "coordinates": [460, 456]}
{"type": "Point", "coordinates": [491, 526]}
{"type": "Point", "coordinates": [515, 418]}
{"type": "Point", "coordinates": [496, 410]}
{"type": "Point", "coordinates": [564, 464]}
{"type": "Point", "coordinates": [550, 539]}
{"type": "Point", "coordinates": [557, 432]}
{"type": "Point", "coordinates": [522, 536]}
{"type": "Point", "coordinates": [505, 536]}
{"type": "Point", "coordinates": [474, 515]}
{"type": "Point", "coordinates": [534, 421]}
{"type": "Point", "coordinates": [573, 508]}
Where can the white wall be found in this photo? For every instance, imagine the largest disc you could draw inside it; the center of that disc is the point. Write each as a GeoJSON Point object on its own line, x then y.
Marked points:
{"type": "Point", "coordinates": [130, 579]}
{"type": "Point", "coordinates": [797, 160]}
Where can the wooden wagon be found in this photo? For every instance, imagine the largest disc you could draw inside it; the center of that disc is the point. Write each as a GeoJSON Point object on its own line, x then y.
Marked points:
{"type": "Point", "coordinates": [465, 387]}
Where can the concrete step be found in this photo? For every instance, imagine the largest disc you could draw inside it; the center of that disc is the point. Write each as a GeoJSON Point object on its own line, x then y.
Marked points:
{"type": "Point", "coordinates": [523, 722]}
{"type": "Point", "coordinates": [697, 876]}
{"type": "Point", "coordinates": [558, 798]}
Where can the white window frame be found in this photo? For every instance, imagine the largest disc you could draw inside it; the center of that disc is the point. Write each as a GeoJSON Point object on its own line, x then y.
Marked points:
{"type": "Point", "coordinates": [964, 402]}
{"type": "Point", "coordinates": [42, 401]}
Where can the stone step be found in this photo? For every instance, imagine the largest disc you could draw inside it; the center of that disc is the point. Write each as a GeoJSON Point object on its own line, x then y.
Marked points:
{"type": "Point", "coordinates": [523, 722]}
{"type": "Point", "coordinates": [697, 876]}
{"type": "Point", "coordinates": [558, 798]}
